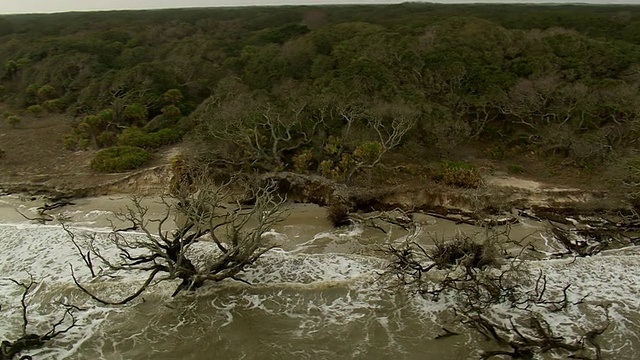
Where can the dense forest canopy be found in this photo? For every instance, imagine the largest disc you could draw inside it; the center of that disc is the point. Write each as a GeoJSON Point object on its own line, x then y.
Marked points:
{"type": "Point", "coordinates": [334, 88]}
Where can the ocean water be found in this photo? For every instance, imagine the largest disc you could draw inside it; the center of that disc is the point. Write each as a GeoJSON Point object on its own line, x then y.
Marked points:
{"type": "Point", "coordinates": [317, 295]}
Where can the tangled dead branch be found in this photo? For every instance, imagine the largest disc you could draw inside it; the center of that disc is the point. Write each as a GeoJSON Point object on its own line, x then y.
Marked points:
{"type": "Point", "coordinates": [235, 231]}
{"type": "Point", "coordinates": [539, 337]}
{"type": "Point", "coordinates": [478, 275]}
{"type": "Point", "coordinates": [28, 341]}
{"type": "Point", "coordinates": [587, 240]}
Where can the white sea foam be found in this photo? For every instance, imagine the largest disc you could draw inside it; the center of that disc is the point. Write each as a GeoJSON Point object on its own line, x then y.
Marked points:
{"type": "Point", "coordinates": [94, 214]}
{"type": "Point", "coordinates": [318, 294]}
{"type": "Point", "coordinates": [602, 288]}
{"type": "Point", "coordinates": [45, 253]}
{"type": "Point", "coordinates": [281, 267]}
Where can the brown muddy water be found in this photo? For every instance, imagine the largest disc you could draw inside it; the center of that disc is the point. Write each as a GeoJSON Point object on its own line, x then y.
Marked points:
{"type": "Point", "coordinates": [318, 295]}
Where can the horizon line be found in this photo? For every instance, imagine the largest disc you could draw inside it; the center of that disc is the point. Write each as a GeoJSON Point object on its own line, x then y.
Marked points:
{"type": "Point", "coordinates": [348, 3]}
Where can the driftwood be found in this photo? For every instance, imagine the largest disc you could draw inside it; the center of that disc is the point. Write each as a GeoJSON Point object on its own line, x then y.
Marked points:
{"type": "Point", "coordinates": [526, 346]}
{"type": "Point", "coordinates": [590, 240]}
{"type": "Point", "coordinates": [43, 216]}
{"type": "Point", "coordinates": [55, 205]}
{"type": "Point", "coordinates": [447, 333]}
{"type": "Point", "coordinates": [470, 219]}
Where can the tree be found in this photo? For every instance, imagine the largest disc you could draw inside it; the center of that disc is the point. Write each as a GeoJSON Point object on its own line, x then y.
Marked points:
{"type": "Point", "coordinates": [390, 122]}
{"type": "Point", "coordinates": [245, 129]}
{"type": "Point", "coordinates": [479, 275]}
{"type": "Point", "coordinates": [234, 232]}
{"type": "Point", "coordinates": [529, 101]}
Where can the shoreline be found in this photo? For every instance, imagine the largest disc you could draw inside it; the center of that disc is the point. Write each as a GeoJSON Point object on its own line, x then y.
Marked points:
{"type": "Point", "coordinates": [501, 200]}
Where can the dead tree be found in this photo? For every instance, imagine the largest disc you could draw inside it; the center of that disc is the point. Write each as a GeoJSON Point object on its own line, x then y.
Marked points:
{"type": "Point", "coordinates": [370, 154]}
{"type": "Point", "coordinates": [540, 338]}
{"type": "Point", "coordinates": [591, 239]}
{"type": "Point", "coordinates": [245, 130]}
{"type": "Point", "coordinates": [575, 245]}
{"type": "Point", "coordinates": [28, 341]}
{"type": "Point", "coordinates": [478, 275]}
{"type": "Point", "coordinates": [236, 231]}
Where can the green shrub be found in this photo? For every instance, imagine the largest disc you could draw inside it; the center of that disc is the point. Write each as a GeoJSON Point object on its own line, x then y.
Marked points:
{"type": "Point", "coordinates": [14, 121]}
{"type": "Point", "coordinates": [83, 143]}
{"type": "Point", "coordinates": [139, 138]}
{"type": "Point", "coordinates": [11, 67]}
{"type": "Point", "coordinates": [105, 116]}
{"type": "Point", "coordinates": [46, 92]}
{"type": "Point", "coordinates": [35, 110]}
{"type": "Point", "coordinates": [120, 159]}
{"type": "Point", "coordinates": [184, 125]}
{"type": "Point", "coordinates": [136, 114]}
{"type": "Point", "coordinates": [133, 137]}
{"type": "Point", "coordinates": [54, 106]}
{"type": "Point", "coordinates": [75, 142]}
{"type": "Point", "coordinates": [339, 171]}
{"type": "Point", "coordinates": [459, 174]}
{"type": "Point", "coordinates": [172, 96]}
{"type": "Point", "coordinates": [106, 139]}
{"type": "Point", "coordinates": [166, 137]}
{"type": "Point", "coordinates": [2, 154]}
{"type": "Point", "coordinates": [158, 123]}
{"type": "Point", "coordinates": [326, 168]}
{"type": "Point", "coordinates": [368, 151]}
{"type": "Point", "coordinates": [70, 142]}
{"type": "Point", "coordinates": [303, 161]}
{"type": "Point", "coordinates": [171, 111]}
{"type": "Point", "coordinates": [32, 89]}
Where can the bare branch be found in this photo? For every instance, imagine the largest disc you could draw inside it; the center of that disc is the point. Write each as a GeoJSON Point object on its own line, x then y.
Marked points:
{"type": "Point", "coordinates": [27, 341]}
{"type": "Point", "coordinates": [125, 300]}
{"type": "Point", "coordinates": [86, 257]}
{"type": "Point", "coordinates": [164, 245]}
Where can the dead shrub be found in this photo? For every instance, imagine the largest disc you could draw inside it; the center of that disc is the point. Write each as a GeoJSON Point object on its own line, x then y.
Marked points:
{"type": "Point", "coordinates": [467, 252]}
{"type": "Point", "coordinates": [338, 214]}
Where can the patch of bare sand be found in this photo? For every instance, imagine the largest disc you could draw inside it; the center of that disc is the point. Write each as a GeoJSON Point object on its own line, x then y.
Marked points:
{"type": "Point", "coordinates": [506, 181]}
{"type": "Point", "coordinates": [35, 153]}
